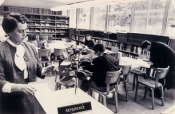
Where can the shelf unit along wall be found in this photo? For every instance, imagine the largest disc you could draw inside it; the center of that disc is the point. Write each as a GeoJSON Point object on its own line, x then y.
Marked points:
{"type": "Point", "coordinates": [42, 24]}
{"type": "Point", "coordinates": [127, 43]}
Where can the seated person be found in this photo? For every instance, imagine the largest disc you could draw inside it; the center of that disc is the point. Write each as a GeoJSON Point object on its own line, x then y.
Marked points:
{"type": "Point", "coordinates": [101, 65]}
{"type": "Point", "coordinates": [89, 42]}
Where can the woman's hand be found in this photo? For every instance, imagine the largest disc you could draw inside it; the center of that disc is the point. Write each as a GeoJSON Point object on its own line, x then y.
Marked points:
{"type": "Point", "coordinates": [25, 88]}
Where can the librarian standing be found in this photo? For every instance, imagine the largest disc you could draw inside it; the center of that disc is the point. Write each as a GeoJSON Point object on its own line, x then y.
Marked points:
{"type": "Point", "coordinates": [162, 56]}
{"type": "Point", "coordinates": [18, 66]}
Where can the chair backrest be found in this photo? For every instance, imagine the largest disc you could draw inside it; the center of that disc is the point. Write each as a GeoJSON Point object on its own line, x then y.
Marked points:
{"type": "Point", "coordinates": [114, 49]}
{"type": "Point", "coordinates": [125, 68]}
{"type": "Point", "coordinates": [125, 71]}
{"type": "Point", "coordinates": [44, 52]}
{"type": "Point", "coordinates": [58, 52]}
{"type": "Point", "coordinates": [160, 73]}
{"type": "Point", "coordinates": [112, 76]}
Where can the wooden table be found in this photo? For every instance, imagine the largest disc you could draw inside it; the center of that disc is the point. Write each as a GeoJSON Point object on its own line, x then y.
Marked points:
{"type": "Point", "coordinates": [47, 101]}
{"type": "Point", "coordinates": [135, 63]}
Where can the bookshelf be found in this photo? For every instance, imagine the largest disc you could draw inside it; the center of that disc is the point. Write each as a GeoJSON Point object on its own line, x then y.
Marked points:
{"type": "Point", "coordinates": [49, 27]}
{"type": "Point", "coordinates": [42, 24]}
{"type": "Point", "coordinates": [127, 43]}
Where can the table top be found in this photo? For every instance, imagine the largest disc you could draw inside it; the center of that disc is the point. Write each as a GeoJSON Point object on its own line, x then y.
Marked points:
{"type": "Point", "coordinates": [170, 110]}
{"type": "Point", "coordinates": [134, 62]}
{"type": "Point", "coordinates": [51, 100]}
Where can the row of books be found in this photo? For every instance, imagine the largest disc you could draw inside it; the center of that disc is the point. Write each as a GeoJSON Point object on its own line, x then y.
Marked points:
{"type": "Point", "coordinates": [131, 38]}
{"type": "Point", "coordinates": [30, 10]}
{"type": "Point", "coordinates": [40, 37]}
{"type": "Point", "coordinates": [47, 30]}
{"type": "Point", "coordinates": [48, 24]}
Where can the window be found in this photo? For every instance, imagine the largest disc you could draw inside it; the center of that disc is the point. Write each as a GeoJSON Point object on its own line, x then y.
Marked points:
{"type": "Point", "coordinates": [170, 31]}
{"type": "Point", "coordinates": [102, 17]}
{"type": "Point", "coordinates": [84, 18]}
{"type": "Point", "coordinates": [155, 17]}
{"type": "Point", "coordinates": [120, 17]}
{"type": "Point", "coordinates": [95, 19]}
{"type": "Point", "coordinates": [140, 17]}
{"type": "Point", "coordinates": [99, 18]}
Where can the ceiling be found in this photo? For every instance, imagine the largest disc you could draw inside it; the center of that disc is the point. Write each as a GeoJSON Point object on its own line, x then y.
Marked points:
{"type": "Point", "coordinates": [47, 4]}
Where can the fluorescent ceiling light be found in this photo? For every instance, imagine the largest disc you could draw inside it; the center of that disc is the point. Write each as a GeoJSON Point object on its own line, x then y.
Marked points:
{"type": "Point", "coordinates": [91, 4]}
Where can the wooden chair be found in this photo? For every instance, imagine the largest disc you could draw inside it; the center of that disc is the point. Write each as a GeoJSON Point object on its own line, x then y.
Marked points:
{"type": "Point", "coordinates": [111, 77]}
{"type": "Point", "coordinates": [44, 55]}
{"type": "Point", "coordinates": [124, 77]}
{"type": "Point", "coordinates": [57, 53]}
{"type": "Point", "coordinates": [137, 72]}
{"type": "Point", "coordinates": [152, 83]}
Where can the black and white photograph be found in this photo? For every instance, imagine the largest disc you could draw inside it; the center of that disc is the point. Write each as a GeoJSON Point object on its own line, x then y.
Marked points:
{"type": "Point", "coordinates": [87, 56]}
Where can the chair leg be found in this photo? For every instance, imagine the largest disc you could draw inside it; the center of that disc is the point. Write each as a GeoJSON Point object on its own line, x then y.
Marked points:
{"type": "Point", "coordinates": [133, 86]}
{"type": "Point", "coordinates": [56, 86]}
{"type": "Point", "coordinates": [146, 90]}
{"type": "Point", "coordinates": [152, 92]}
{"type": "Point", "coordinates": [100, 98]}
{"type": "Point", "coordinates": [90, 92]}
{"type": "Point", "coordinates": [162, 96]}
{"type": "Point", "coordinates": [59, 86]}
{"type": "Point", "coordinates": [116, 101]}
{"type": "Point", "coordinates": [136, 91]}
{"type": "Point", "coordinates": [104, 100]}
{"type": "Point", "coordinates": [126, 90]}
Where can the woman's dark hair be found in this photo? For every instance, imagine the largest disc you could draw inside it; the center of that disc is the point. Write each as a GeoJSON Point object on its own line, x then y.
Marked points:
{"type": "Point", "coordinates": [145, 44]}
{"type": "Point", "coordinates": [99, 47]}
{"type": "Point", "coordinates": [10, 22]}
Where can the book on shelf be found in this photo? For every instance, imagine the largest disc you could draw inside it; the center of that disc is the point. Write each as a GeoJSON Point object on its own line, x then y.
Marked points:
{"type": "Point", "coordinates": [96, 41]}
{"type": "Point", "coordinates": [110, 44]}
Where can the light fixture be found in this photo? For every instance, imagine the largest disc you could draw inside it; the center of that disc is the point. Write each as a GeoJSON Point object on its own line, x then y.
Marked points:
{"type": "Point", "coordinates": [1, 1]}
{"type": "Point", "coordinates": [91, 4]}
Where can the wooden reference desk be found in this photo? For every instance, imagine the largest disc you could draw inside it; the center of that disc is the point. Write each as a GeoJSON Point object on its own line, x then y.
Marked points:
{"type": "Point", "coordinates": [47, 101]}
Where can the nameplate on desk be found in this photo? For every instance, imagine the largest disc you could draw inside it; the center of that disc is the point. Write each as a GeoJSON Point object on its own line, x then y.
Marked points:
{"type": "Point", "coordinates": [75, 108]}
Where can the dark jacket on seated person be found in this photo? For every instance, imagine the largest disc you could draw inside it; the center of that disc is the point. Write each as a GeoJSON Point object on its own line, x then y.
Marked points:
{"type": "Point", "coordinates": [90, 44]}
{"type": "Point", "coordinates": [100, 67]}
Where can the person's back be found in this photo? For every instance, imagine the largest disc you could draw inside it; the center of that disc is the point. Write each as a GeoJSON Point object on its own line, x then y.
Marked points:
{"type": "Point", "coordinates": [163, 56]}
{"type": "Point", "coordinates": [103, 64]}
